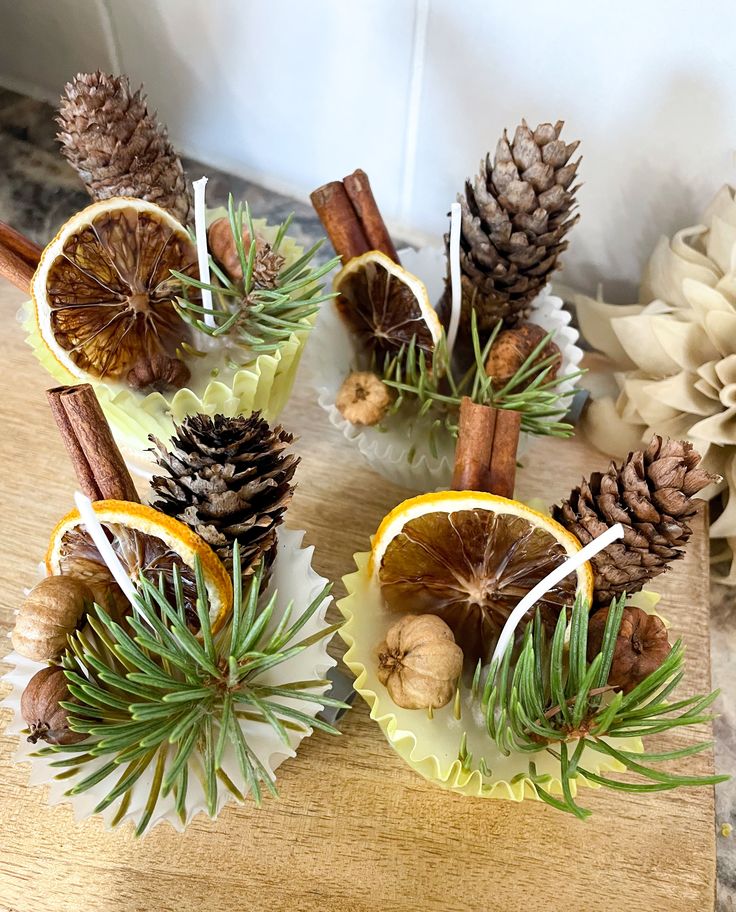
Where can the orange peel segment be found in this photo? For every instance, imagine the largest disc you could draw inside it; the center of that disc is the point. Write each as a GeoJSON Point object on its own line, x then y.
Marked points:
{"type": "Point", "coordinates": [386, 306]}
{"type": "Point", "coordinates": [103, 293]}
{"type": "Point", "coordinates": [470, 557]}
{"type": "Point", "coordinates": [145, 540]}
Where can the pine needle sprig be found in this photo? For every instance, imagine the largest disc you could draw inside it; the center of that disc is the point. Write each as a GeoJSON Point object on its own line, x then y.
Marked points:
{"type": "Point", "coordinates": [433, 387]}
{"type": "Point", "coordinates": [258, 316]}
{"type": "Point", "coordinates": [149, 693]}
{"type": "Point", "coordinates": [562, 704]}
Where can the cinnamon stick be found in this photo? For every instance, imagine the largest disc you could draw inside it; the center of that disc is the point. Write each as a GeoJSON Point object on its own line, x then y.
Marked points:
{"type": "Point", "coordinates": [340, 220]}
{"type": "Point", "coordinates": [485, 455]}
{"type": "Point", "coordinates": [503, 458]}
{"type": "Point", "coordinates": [358, 188]}
{"type": "Point", "coordinates": [474, 448]}
{"type": "Point", "coordinates": [19, 257]}
{"type": "Point", "coordinates": [99, 467]}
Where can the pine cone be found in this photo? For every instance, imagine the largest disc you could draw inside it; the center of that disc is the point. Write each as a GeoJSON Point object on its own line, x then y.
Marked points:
{"type": "Point", "coordinates": [227, 478]}
{"type": "Point", "coordinates": [515, 216]}
{"type": "Point", "coordinates": [117, 147]}
{"type": "Point", "coordinates": [651, 494]}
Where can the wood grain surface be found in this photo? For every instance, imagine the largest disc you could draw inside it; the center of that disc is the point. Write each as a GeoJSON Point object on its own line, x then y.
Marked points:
{"type": "Point", "coordinates": [354, 830]}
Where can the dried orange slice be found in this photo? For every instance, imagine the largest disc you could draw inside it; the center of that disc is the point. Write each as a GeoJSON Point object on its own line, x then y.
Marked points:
{"type": "Point", "coordinates": [385, 305]}
{"type": "Point", "coordinates": [470, 558]}
{"type": "Point", "coordinates": [146, 541]}
{"type": "Point", "coordinates": [103, 291]}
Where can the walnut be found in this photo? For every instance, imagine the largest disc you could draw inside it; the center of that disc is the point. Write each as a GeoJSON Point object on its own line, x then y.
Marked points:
{"type": "Point", "coordinates": [363, 398]}
{"type": "Point", "coordinates": [51, 611]}
{"type": "Point", "coordinates": [511, 349]}
{"type": "Point", "coordinates": [419, 662]}
{"type": "Point", "coordinates": [158, 373]}
{"type": "Point", "coordinates": [641, 646]}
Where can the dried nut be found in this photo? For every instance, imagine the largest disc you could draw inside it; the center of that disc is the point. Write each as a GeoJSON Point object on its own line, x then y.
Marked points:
{"type": "Point", "coordinates": [51, 611]}
{"type": "Point", "coordinates": [641, 646]}
{"type": "Point", "coordinates": [419, 662]}
{"type": "Point", "coordinates": [159, 373]}
{"type": "Point", "coordinates": [511, 349]}
{"type": "Point", "coordinates": [363, 398]}
{"type": "Point", "coordinates": [267, 264]}
{"type": "Point", "coordinates": [40, 707]}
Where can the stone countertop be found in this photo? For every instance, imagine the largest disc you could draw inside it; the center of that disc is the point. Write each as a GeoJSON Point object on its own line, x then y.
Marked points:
{"type": "Point", "coordinates": [39, 191]}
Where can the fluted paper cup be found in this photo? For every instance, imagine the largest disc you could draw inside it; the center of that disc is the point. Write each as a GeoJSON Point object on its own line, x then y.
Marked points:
{"type": "Point", "coordinates": [294, 579]}
{"type": "Point", "coordinates": [400, 448]}
{"type": "Point", "coordinates": [214, 388]}
{"type": "Point", "coordinates": [431, 745]}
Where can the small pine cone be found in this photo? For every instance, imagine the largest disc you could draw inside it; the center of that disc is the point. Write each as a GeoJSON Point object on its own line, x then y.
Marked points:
{"type": "Point", "coordinates": [515, 216]}
{"type": "Point", "coordinates": [117, 146]}
{"type": "Point", "coordinates": [228, 479]}
{"type": "Point", "coordinates": [651, 494]}
{"type": "Point", "coordinates": [266, 266]}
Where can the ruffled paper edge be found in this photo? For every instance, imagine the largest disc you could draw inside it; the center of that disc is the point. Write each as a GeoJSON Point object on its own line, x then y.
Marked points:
{"type": "Point", "coordinates": [294, 578]}
{"type": "Point", "coordinates": [420, 757]}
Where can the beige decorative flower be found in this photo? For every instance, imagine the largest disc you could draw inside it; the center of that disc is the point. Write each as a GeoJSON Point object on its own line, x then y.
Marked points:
{"type": "Point", "coordinates": [676, 356]}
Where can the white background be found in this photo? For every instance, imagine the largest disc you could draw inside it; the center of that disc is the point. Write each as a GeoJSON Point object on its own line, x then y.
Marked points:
{"type": "Point", "coordinates": [298, 92]}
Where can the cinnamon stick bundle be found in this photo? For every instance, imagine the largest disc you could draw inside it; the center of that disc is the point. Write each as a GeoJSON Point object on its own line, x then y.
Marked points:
{"type": "Point", "coordinates": [19, 257]}
{"type": "Point", "coordinates": [98, 464]}
{"type": "Point", "coordinates": [351, 217]}
{"type": "Point", "coordinates": [485, 455]}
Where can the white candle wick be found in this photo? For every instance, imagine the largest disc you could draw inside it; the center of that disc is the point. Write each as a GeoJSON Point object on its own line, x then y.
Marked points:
{"type": "Point", "coordinates": [203, 260]}
{"type": "Point", "coordinates": [543, 586]}
{"type": "Point", "coordinates": [112, 562]}
{"type": "Point", "coordinates": [455, 283]}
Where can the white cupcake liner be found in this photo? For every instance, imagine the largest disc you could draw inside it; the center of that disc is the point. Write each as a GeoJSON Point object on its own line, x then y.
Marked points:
{"type": "Point", "coordinates": [400, 449]}
{"type": "Point", "coordinates": [295, 579]}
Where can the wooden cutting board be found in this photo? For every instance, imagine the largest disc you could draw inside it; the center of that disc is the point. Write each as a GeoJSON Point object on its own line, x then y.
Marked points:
{"type": "Point", "coordinates": [354, 828]}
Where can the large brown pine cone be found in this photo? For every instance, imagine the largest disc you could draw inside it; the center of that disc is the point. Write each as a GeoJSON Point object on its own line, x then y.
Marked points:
{"type": "Point", "coordinates": [651, 493]}
{"type": "Point", "coordinates": [228, 479]}
{"type": "Point", "coordinates": [117, 146]}
{"type": "Point", "coordinates": [515, 216]}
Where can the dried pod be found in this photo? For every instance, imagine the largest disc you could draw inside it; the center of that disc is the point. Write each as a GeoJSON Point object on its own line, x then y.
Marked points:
{"type": "Point", "coordinates": [641, 646]}
{"type": "Point", "coordinates": [158, 373]}
{"type": "Point", "coordinates": [363, 398]}
{"type": "Point", "coordinates": [51, 611]}
{"type": "Point", "coordinates": [511, 349]}
{"type": "Point", "coordinates": [419, 662]}
{"type": "Point", "coordinates": [266, 267]}
{"type": "Point", "coordinates": [40, 707]}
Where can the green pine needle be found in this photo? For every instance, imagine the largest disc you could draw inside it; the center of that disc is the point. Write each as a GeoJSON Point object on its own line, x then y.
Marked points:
{"type": "Point", "coordinates": [554, 700]}
{"type": "Point", "coordinates": [151, 694]}
{"type": "Point", "coordinates": [258, 318]}
{"type": "Point", "coordinates": [433, 387]}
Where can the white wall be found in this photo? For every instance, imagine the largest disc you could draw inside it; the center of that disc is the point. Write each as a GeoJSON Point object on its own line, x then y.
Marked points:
{"type": "Point", "coordinates": [297, 92]}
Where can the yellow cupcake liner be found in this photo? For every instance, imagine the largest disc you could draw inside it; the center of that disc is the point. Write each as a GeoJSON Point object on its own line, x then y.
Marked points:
{"type": "Point", "coordinates": [265, 383]}
{"type": "Point", "coordinates": [430, 745]}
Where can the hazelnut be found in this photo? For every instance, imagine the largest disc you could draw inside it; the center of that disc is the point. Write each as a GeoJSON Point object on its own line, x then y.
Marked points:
{"type": "Point", "coordinates": [364, 398]}
{"type": "Point", "coordinates": [512, 347]}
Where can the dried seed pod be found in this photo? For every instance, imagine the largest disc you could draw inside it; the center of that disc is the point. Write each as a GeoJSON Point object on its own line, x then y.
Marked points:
{"type": "Point", "coordinates": [641, 647]}
{"type": "Point", "coordinates": [50, 612]}
{"type": "Point", "coordinates": [40, 707]}
{"type": "Point", "coordinates": [419, 662]}
{"type": "Point", "coordinates": [266, 267]}
{"type": "Point", "coordinates": [158, 373]}
{"type": "Point", "coordinates": [363, 398]}
{"type": "Point", "coordinates": [511, 349]}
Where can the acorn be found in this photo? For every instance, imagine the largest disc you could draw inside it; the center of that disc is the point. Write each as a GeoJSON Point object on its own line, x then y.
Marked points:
{"type": "Point", "coordinates": [51, 611]}
{"type": "Point", "coordinates": [511, 349]}
{"type": "Point", "coordinates": [41, 709]}
{"type": "Point", "coordinates": [641, 646]}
